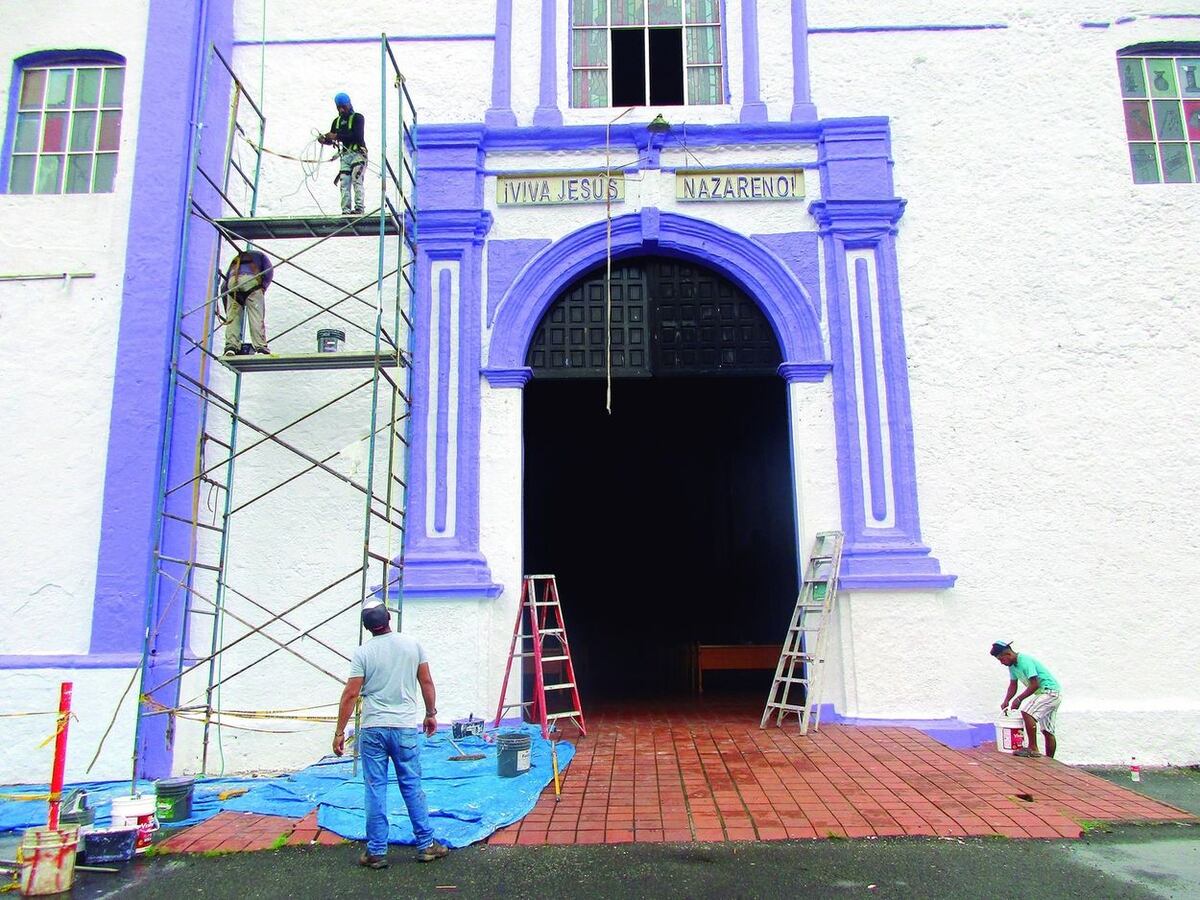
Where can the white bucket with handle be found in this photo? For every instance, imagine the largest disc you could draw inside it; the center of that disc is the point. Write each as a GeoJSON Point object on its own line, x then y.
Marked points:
{"type": "Point", "coordinates": [1010, 733]}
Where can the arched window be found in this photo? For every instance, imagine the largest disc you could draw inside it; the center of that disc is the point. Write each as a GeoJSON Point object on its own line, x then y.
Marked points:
{"type": "Point", "coordinates": [64, 129]}
{"type": "Point", "coordinates": [1160, 87]}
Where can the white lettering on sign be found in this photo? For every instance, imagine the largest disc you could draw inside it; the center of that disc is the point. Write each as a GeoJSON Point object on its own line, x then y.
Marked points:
{"type": "Point", "coordinates": [777, 184]}
{"type": "Point", "coordinates": [545, 190]}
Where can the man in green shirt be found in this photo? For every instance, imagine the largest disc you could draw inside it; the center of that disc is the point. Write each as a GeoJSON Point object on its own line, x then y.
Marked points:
{"type": "Point", "coordinates": [1037, 703]}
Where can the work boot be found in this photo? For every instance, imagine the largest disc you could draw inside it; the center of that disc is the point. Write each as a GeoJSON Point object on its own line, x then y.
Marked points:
{"type": "Point", "coordinates": [373, 862]}
{"type": "Point", "coordinates": [434, 851]}
{"type": "Point", "coordinates": [265, 351]}
{"type": "Point", "coordinates": [231, 351]}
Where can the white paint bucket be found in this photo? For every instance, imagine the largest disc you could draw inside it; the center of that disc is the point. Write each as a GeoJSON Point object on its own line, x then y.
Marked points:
{"type": "Point", "coordinates": [48, 860]}
{"type": "Point", "coordinates": [136, 812]}
{"type": "Point", "coordinates": [1010, 733]}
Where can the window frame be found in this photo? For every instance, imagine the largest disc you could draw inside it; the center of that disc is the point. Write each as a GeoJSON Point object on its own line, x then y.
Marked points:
{"type": "Point", "coordinates": [683, 25]}
{"type": "Point", "coordinates": [1176, 51]}
{"type": "Point", "coordinates": [50, 60]}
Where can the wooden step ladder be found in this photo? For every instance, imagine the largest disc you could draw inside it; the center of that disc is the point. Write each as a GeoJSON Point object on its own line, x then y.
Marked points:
{"type": "Point", "coordinates": [542, 613]}
{"type": "Point", "coordinates": [802, 659]}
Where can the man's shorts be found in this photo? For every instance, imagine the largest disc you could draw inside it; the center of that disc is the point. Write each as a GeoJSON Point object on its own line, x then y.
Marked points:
{"type": "Point", "coordinates": [1042, 706]}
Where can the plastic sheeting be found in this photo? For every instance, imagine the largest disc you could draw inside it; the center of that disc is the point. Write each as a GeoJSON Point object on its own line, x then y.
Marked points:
{"type": "Point", "coordinates": [467, 800]}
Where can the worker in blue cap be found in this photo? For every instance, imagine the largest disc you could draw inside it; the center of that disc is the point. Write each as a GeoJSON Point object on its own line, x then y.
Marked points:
{"type": "Point", "coordinates": [1037, 704]}
{"type": "Point", "coordinates": [346, 133]}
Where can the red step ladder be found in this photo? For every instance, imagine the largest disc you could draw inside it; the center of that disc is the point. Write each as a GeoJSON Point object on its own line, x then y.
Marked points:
{"type": "Point", "coordinates": [542, 612]}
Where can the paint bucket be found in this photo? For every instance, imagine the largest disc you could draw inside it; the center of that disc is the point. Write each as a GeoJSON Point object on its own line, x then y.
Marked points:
{"type": "Point", "coordinates": [1010, 733]}
{"type": "Point", "coordinates": [108, 845]}
{"type": "Point", "coordinates": [512, 753]}
{"type": "Point", "coordinates": [48, 860]}
{"type": "Point", "coordinates": [330, 340]}
{"type": "Point", "coordinates": [136, 812]}
{"type": "Point", "coordinates": [173, 801]}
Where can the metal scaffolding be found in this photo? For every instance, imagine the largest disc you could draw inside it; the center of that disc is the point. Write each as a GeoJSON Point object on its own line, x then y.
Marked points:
{"type": "Point", "coordinates": [225, 414]}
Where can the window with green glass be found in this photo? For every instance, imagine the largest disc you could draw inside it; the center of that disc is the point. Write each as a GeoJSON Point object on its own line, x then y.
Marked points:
{"type": "Point", "coordinates": [67, 129]}
{"type": "Point", "coordinates": [646, 53]}
{"type": "Point", "coordinates": [1160, 92]}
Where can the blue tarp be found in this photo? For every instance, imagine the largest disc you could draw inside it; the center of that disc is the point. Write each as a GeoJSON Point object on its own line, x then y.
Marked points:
{"type": "Point", "coordinates": [467, 800]}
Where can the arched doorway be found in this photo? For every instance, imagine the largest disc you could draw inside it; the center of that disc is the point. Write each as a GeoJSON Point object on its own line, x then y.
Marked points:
{"type": "Point", "coordinates": [669, 522]}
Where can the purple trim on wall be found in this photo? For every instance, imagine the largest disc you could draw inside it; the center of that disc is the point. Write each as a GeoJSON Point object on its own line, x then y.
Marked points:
{"type": "Point", "coordinates": [71, 661]}
{"type": "Point", "coordinates": [952, 732]}
{"type": "Point", "coordinates": [799, 250]}
{"type": "Point", "coordinates": [866, 342]}
{"type": "Point", "coordinates": [500, 114]}
{"type": "Point", "coordinates": [753, 109]}
{"type": "Point", "coordinates": [881, 29]}
{"type": "Point", "coordinates": [508, 378]}
{"type": "Point", "coordinates": [547, 112]}
{"type": "Point", "coordinates": [748, 263]}
{"type": "Point", "coordinates": [441, 467]}
{"type": "Point", "coordinates": [803, 109]}
{"type": "Point", "coordinates": [505, 259]}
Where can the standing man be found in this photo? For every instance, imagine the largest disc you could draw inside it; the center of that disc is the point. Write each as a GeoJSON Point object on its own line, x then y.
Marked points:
{"type": "Point", "coordinates": [347, 133]}
{"type": "Point", "coordinates": [1037, 703]}
{"type": "Point", "coordinates": [390, 672]}
{"type": "Point", "coordinates": [246, 282]}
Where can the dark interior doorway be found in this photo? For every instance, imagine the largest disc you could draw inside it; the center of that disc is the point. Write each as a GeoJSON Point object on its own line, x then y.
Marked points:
{"type": "Point", "coordinates": [668, 523]}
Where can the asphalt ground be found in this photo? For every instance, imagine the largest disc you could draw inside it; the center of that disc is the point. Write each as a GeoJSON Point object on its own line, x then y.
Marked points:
{"type": "Point", "coordinates": [1148, 861]}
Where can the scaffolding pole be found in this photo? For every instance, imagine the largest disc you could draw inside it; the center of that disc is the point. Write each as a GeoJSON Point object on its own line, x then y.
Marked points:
{"type": "Point", "coordinates": [221, 420]}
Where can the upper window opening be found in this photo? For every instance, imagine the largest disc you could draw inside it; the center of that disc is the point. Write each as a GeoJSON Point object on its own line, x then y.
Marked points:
{"type": "Point", "coordinates": [67, 128]}
{"type": "Point", "coordinates": [1160, 88]}
{"type": "Point", "coordinates": [646, 52]}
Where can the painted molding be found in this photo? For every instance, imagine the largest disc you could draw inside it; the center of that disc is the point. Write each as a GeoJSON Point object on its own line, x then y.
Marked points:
{"type": "Point", "coordinates": [547, 112]}
{"type": "Point", "coordinates": [508, 378]}
{"type": "Point", "coordinates": [884, 29]}
{"type": "Point", "coordinates": [366, 39]}
{"type": "Point", "coordinates": [813, 373]}
{"type": "Point", "coordinates": [71, 661]}
{"type": "Point", "coordinates": [504, 260]}
{"type": "Point", "coordinates": [500, 113]}
{"type": "Point", "coordinates": [749, 264]}
{"type": "Point", "coordinates": [799, 250]}
{"type": "Point", "coordinates": [753, 108]}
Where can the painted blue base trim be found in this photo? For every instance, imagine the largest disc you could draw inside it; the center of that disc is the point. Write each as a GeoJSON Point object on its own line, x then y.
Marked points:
{"type": "Point", "coordinates": [71, 661]}
{"type": "Point", "coordinates": [448, 576]}
{"type": "Point", "coordinates": [754, 112]}
{"type": "Point", "coordinates": [875, 29]}
{"type": "Point", "coordinates": [952, 732]}
{"type": "Point", "coordinates": [814, 372]}
{"type": "Point", "coordinates": [453, 592]}
{"type": "Point", "coordinates": [898, 582]}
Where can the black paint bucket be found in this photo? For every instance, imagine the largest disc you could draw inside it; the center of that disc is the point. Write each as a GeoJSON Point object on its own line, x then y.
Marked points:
{"type": "Point", "coordinates": [173, 801]}
{"type": "Point", "coordinates": [512, 753]}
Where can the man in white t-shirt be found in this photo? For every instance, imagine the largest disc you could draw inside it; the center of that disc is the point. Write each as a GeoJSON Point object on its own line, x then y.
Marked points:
{"type": "Point", "coordinates": [390, 672]}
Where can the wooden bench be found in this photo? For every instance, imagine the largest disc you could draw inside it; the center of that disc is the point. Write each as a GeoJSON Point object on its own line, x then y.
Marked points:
{"type": "Point", "coordinates": [729, 657]}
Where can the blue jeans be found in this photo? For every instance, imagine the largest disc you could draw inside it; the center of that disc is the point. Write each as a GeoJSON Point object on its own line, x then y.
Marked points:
{"type": "Point", "coordinates": [377, 746]}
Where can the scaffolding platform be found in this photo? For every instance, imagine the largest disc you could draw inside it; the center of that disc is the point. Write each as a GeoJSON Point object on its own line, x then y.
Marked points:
{"type": "Point", "coordinates": [295, 362]}
{"type": "Point", "coordinates": [284, 227]}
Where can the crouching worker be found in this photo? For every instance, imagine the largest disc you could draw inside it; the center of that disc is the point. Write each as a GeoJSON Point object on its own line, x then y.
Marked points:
{"type": "Point", "coordinates": [390, 672]}
{"type": "Point", "coordinates": [246, 282]}
{"type": "Point", "coordinates": [347, 133]}
{"type": "Point", "coordinates": [1037, 704]}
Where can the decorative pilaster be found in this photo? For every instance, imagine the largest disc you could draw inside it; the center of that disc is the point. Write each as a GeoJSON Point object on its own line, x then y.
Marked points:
{"type": "Point", "coordinates": [753, 109]}
{"type": "Point", "coordinates": [500, 114]}
{"type": "Point", "coordinates": [872, 412]}
{"type": "Point", "coordinates": [442, 556]}
{"type": "Point", "coordinates": [803, 109]}
{"type": "Point", "coordinates": [547, 112]}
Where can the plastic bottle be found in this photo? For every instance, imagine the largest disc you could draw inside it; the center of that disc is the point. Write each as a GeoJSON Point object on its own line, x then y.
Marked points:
{"type": "Point", "coordinates": [1135, 771]}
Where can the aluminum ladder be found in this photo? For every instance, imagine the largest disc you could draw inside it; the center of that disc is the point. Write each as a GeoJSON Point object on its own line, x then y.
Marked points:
{"type": "Point", "coordinates": [802, 658]}
{"type": "Point", "coordinates": [542, 613]}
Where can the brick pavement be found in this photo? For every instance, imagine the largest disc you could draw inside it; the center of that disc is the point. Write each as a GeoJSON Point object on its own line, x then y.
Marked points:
{"type": "Point", "coordinates": [695, 771]}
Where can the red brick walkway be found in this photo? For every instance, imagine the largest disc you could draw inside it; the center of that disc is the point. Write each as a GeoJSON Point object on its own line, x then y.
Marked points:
{"type": "Point", "coordinates": [706, 772]}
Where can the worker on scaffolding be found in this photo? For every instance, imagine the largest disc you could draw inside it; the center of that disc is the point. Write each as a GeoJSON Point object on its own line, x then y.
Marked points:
{"type": "Point", "coordinates": [246, 282]}
{"type": "Point", "coordinates": [347, 133]}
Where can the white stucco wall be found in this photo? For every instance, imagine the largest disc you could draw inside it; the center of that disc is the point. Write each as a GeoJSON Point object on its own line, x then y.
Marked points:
{"type": "Point", "coordinates": [1047, 335]}
{"type": "Point", "coordinates": [57, 358]}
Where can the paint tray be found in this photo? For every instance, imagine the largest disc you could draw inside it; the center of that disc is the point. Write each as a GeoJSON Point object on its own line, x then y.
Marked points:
{"type": "Point", "coordinates": [108, 845]}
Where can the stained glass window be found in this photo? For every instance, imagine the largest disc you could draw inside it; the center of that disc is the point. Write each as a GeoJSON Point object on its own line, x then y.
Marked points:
{"type": "Point", "coordinates": [1161, 96]}
{"type": "Point", "coordinates": [67, 129]}
{"type": "Point", "coordinates": [689, 29]}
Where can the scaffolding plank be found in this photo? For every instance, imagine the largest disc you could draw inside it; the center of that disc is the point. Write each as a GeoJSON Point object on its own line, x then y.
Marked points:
{"type": "Point", "coordinates": [260, 228]}
{"type": "Point", "coordinates": [292, 362]}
